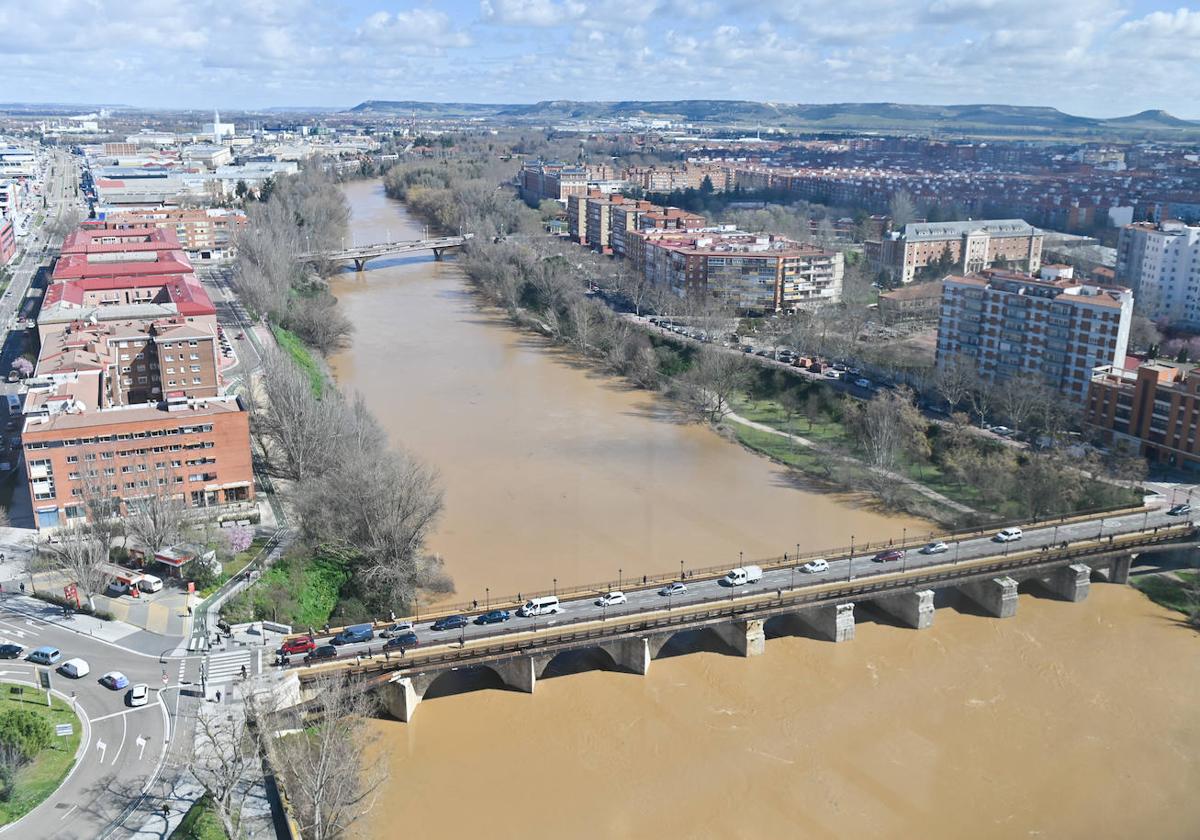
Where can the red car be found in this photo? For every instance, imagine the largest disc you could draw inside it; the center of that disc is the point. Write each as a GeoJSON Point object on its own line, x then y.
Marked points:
{"type": "Point", "coordinates": [303, 644]}
{"type": "Point", "coordinates": [888, 556]}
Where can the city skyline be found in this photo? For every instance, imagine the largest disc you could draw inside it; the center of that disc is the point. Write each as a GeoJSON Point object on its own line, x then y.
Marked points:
{"type": "Point", "coordinates": [272, 53]}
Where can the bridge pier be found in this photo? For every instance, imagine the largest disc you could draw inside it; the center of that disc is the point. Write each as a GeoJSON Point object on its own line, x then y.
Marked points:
{"type": "Point", "coordinates": [1118, 572]}
{"type": "Point", "coordinates": [913, 609]}
{"type": "Point", "coordinates": [631, 654]}
{"type": "Point", "coordinates": [746, 637]}
{"type": "Point", "coordinates": [519, 673]}
{"type": "Point", "coordinates": [1071, 583]}
{"type": "Point", "coordinates": [437, 254]}
{"type": "Point", "coordinates": [360, 264]}
{"type": "Point", "coordinates": [833, 623]}
{"type": "Point", "coordinates": [998, 596]}
{"type": "Point", "coordinates": [400, 698]}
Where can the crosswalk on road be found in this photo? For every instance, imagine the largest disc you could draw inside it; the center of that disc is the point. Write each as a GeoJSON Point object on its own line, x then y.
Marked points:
{"type": "Point", "coordinates": [227, 665]}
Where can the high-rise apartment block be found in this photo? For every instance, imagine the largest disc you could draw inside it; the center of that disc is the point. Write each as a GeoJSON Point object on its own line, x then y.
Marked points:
{"type": "Point", "coordinates": [1161, 264]}
{"type": "Point", "coordinates": [1010, 325]}
{"type": "Point", "coordinates": [965, 247]}
{"type": "Point", "coordinates": [1153, 410]}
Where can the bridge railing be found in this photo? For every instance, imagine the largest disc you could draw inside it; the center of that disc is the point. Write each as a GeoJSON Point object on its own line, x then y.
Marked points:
{"type": "Point", "coordinates": [686, 573]}
{"type": "Point", "coordinates": [874, 582]}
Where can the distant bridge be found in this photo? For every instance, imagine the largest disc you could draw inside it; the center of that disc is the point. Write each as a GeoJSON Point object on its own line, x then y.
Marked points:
{"type": "Point", "coordinates": [359, 254]}
{"type": "Point", "coordinates": [1061, 557]}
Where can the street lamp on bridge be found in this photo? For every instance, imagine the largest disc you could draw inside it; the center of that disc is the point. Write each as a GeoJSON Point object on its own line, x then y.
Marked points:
{"type": "Point", "coordinates": [487, 598]}
{"type": "Point", "coordinates": [850, 563]}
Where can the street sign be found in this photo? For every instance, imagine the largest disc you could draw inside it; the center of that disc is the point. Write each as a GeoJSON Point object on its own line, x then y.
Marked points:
{"type": "Point", "coordinates": [165, 679]}
{"type": "Point", "coordinates": [44, 678]}
{"type": "Point", "coordinates": [63, 729]}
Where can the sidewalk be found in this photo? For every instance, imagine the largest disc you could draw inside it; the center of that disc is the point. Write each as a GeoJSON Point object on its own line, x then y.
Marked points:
{"type": "Point", "coordinates": [117, 633]}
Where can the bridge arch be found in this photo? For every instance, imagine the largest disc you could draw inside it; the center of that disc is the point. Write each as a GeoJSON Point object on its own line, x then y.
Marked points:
{"type": "Point", "coordinates": [576, 661]}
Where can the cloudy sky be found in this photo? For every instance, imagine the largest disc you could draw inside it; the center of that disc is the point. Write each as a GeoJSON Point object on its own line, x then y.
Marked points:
{"type": "Point", "coordinates": [1092, 57]}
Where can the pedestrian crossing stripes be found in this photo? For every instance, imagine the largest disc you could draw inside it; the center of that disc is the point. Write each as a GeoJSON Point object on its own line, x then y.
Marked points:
{"type": "Point", "coordinates": [227, 665]}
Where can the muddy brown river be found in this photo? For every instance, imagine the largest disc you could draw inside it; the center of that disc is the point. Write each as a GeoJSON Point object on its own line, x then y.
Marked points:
{"type": "Point", "coordinates": [1066, 721]}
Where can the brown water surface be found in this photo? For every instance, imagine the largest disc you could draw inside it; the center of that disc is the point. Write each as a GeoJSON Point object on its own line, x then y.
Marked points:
{"type": "Point", "coordinates": [1069, 720]}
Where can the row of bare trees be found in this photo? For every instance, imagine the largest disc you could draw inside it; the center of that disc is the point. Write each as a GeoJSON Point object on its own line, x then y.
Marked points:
{"type": "Point", "coordinates": [304, 213]}
{"type": "Point", "coordinates": [318, 750]}
{"type": "Point", "coordinates": [359, 499]}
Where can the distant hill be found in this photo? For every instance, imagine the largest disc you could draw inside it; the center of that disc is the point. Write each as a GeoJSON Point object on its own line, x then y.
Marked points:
{"type": "Point", "coordinates": [1007, 119]}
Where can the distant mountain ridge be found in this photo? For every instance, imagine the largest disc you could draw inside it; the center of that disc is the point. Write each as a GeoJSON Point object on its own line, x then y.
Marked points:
{"type": "Point", "coordinates": [865, 115]}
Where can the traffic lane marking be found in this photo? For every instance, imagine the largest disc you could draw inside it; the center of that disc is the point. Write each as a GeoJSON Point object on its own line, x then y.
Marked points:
{"type": "Point", "coordinates": [121, 745]}
{"type": "Point", "coordinates": [120, 713]}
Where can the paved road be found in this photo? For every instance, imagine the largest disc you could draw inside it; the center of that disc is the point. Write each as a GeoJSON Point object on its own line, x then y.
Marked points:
{"type": "Point", "coordinates": [122, 746]}
{"type": "Point", "coordinates": [711, 591]}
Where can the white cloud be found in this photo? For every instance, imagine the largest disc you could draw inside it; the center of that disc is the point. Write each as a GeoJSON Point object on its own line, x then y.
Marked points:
{"type": "Point", "coordinates": [541, 13]}
{"type": "Point", "coordinates": [416, 26]}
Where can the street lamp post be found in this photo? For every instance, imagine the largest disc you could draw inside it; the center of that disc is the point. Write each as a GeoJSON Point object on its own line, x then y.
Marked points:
{"type": "Point", "coordinates": [1054, 539]}
{"type": "Point", "coordinates": [850, 562]}
{"type": "Point", "coordinates": [487, 598]}
{"type": "Point", "coordinates": [555, 587]}
{"type": "Point", "coordinates": [681, 570]}
{"type": "Point", "coordinates": [618, 578]}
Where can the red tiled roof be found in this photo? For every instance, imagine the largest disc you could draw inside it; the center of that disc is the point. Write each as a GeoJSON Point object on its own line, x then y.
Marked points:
{"type": "Point", "coordinates": [144, 238]}
{"type": "Point", "coordinates": [184, 290]}
{"type": "Point", "coordinates": [75, 266]}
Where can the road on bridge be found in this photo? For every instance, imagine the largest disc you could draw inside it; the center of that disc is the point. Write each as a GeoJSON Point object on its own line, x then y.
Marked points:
{"type": "Point", "coordinates": [710, 591]}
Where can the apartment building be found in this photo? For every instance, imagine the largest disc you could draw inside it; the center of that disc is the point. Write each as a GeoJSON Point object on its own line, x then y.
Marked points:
{"type": "Point", "coordinates": [197, 449]}
{"type": "Point", "coordinates": [753, 273]}
{"type": "Point", "coordinates": [577, 216]}
{"type": "Point", "coordinates": [966, 247]}
{"type": "Point", "coordinates": [1011, 325]}
{"type": "Point", "coordinates": [1154, 410]}
{"type": "Point", "coordinates": [539, 180]}
{"type": "Point", "coordinates": [8, 242]}
{"type": "Point", "coordinates": [204, 234]}
{"type": "Point", "coordinates": [1161, 264]}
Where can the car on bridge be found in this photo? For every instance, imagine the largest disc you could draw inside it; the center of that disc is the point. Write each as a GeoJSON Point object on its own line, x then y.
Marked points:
{"type": "Point", "coordinates": [354, 635]}
{"type": "Point", "coordinates": [675, 588]}
{"type": "Point", "coordinates": [302, 644]}
{"type": "Point", "coordinates": [493, 617]}
{"type": "Point", "coordinates": [935, 547]}
{"type": "Point", "coordinates": [890, 555]}
{"type": "Point", "coordinates": [1008, 535]}
{"type": "Point", "coordinates": [397, 629]}
{"type": "Point", "coordinates": [321, 653]}
{"type": "Point", "coordinates": [404, 640]}
{"type": "Point", "coordinates": [449, 622]}
{"type": "Point", "coordinates": [612, 599]}
{"type": "Point", "coordinates": [813, 567]}
{"type": "Point", "coordinates": [1180, 510]}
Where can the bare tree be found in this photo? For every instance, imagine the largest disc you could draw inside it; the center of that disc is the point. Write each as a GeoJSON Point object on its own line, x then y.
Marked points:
{"type": "Point", "coordinates": [1018, 401]}
{"type": "Point", "coordinates": [902, 209]}
{"type": "Point", "coordinates": [328, 781]}
{"type": "Point", "coordinates": [888, 426]}
{"type": "Point", "coordinates": [80, 554]}
{"type": "Point", "coordinates": [225, 756]}
{"type": "Point", "coordinates": [297, 423]}
{"type": "Point", "coordinates": [157, 519]}
{"type": "Point", "coordinates": [954, 382]}
{"type": "Point", "coordinates": [710, 383]}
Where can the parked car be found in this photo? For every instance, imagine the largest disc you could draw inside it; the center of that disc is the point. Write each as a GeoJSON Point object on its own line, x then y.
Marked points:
{"type": "Point", "coordinates": [862, 383]}
{"type": "Point", "coordinates": [302, 644]}
{"type": "Point", "coordinates": [449, 622]}
{"type": "Point", "coordinates": [114, 680]}
{"type": "Point", "coordinates": [321, 653]}
{"type": "Point", "coordinates": [397, 629]}
{"type": "Point", "coordinates": [139, 695]}
{"type": "Point", "coordinates": [675, 588]}
{"type": "Point", "coordinates": [890, 555]}
{"type": "Point", "coordinates": [813, 567]}
{"type": "Point", "coordinates": [11, 651]}
{"type": "Point", "coordinates": [404, 640]}
{"type": "Point", "coordinates": [1180, 510]}
{"type": "Point", "coordinates": [935, 548]}
{"type": "Point", "coordinates": [493, 617]}
{"type": "Point", "coordinates": [1009, 535]}
{"type": "Point", "coordinates": [1003, 431]}
{"type": "Point", "coordinates": [611, 599]}
{"type": "Point", "coordinates": [833, 374]}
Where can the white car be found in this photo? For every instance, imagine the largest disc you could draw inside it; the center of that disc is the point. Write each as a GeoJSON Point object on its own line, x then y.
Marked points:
{"type": "Point", "coordinates": [1009, 535]}
{"type": "Point", "coordinates": [611, 599]}
{"type": "Point", "coordinates": [139, 695]}
{"type": "Point", "coordinates": [935, 548]}
{"type": "Point", "coordinates": [675, 588]}
{"type": "Point", "coordinates": [812, 567]}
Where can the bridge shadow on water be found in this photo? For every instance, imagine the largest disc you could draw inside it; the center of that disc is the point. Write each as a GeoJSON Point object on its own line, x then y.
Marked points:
{"type": "Point", "coordinates": [463, 680]}
{"type": "Point", "coordinates": [687, 642]}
